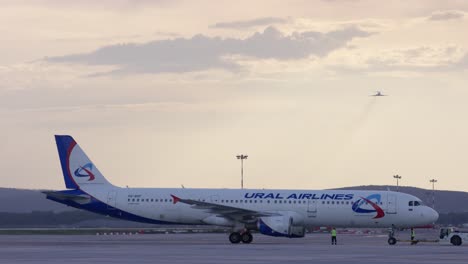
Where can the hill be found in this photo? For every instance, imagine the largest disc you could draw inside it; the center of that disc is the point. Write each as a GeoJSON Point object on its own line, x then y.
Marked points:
{"type": "Point", "coordinates": [26, 201]}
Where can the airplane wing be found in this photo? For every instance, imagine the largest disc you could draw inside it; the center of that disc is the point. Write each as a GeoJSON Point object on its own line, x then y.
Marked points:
{"type": "Point", "coordinates": [230, 212]}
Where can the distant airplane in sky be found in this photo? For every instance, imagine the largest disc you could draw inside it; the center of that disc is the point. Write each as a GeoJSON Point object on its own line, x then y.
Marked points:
{"type": "Point", "coordinates": [379, 94]}
{"type": "Point", "coordinates": [280, 213]}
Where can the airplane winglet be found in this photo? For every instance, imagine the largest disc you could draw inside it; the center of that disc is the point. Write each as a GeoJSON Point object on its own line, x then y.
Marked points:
{"type": "Point", "coordinates": [175, 199]}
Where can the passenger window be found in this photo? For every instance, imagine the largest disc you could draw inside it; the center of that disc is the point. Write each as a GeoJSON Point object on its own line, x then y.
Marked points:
{"type": "Point", "coordinates": [410, 203]}
{"type": "Point", "coordinates": [268, 201]}
{"type": "Point", "coordinates": [328, 202]}
{"type": "Point", "coordinates": [323, 202]}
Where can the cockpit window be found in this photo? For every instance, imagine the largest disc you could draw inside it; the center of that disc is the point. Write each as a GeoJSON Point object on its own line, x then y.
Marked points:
{"type": "Point", "coordinates": [415, 203]}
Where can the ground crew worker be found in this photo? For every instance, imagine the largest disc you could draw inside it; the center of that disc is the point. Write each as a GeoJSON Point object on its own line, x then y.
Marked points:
{"type": "Point", "coordinates": [333, 236]}
{"type": "Point", "coordinates": [413, 235]}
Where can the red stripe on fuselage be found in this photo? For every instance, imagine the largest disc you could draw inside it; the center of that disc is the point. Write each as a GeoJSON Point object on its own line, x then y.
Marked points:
{"type": "Point", "coordinates": [380, 212]}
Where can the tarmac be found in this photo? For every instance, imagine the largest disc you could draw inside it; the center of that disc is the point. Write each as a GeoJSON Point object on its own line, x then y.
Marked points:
{"type": "Point", "coordinates": [215, 248]}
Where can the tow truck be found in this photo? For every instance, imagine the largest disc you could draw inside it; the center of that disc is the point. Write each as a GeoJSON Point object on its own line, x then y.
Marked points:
{"type": "Point", "coordinates": [447, 235]}
{"type": "Point", "coordinates": [453, 236]}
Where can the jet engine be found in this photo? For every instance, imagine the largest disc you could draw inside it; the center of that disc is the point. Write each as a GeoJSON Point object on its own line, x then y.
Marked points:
{"type": "Point", "coordinates": [287, 224]}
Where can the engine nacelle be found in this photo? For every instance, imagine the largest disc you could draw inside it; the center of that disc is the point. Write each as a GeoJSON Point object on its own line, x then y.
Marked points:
{"type": "Point", "coordinates": [288, 224]}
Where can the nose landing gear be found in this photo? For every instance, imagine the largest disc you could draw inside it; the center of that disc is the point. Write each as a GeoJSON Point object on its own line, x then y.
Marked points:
{"type": "Point", "coordinates": [391, 236]}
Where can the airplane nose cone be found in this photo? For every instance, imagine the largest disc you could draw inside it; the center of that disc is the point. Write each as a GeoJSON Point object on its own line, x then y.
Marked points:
{"type": "Point", "coordinates": [434, 215]}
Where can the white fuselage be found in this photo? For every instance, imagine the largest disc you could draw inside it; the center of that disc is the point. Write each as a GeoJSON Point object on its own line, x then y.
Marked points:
{"type": "Point", "coordinates": [341, 208]}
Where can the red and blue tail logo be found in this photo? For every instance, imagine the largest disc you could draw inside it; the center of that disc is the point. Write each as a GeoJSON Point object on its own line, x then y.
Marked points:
{"type": "Point", "coordinates": [77, 168]}
{"type": "Point", "coordinates": [373, 200]}
{"type": "Point", "coordinates": [85, 171]}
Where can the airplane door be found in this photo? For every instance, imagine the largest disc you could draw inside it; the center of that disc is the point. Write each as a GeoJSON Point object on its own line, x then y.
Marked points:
{"type": "Point", "coordinates": [111, 199]}
{"type": "Point", "coordinates": [312, 208]}
{"type": "Point", "coordinates": [391, 203]}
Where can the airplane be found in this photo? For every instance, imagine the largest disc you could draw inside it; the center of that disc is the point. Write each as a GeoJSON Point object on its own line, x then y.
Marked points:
{"type": "Point", "coordinates": [378, 94]}
{"type": "Point", "coordinates": [279, 213]}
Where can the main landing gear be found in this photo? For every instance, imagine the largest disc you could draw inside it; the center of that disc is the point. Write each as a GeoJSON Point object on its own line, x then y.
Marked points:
{"type": "Point", "coordinates": [244, 237]}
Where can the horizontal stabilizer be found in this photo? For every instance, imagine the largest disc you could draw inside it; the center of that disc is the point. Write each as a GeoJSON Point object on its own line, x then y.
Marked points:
{"type": "Point", "coordinates": [78, 198]}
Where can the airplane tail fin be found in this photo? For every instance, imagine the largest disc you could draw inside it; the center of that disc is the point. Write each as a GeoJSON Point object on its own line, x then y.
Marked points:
{"type": "Point", "coordinates": [78, 170]}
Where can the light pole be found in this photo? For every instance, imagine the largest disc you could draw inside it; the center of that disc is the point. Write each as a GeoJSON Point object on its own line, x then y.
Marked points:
{"type": "Point", "coordinates": [242, 157]}
{"type": "Point", "coordinates": [433, 192]}
{"type": "Point", "coordinates": [397, 177]}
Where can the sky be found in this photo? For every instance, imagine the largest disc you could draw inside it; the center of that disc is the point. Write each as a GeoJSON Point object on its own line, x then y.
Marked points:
{"type": "Point", "coordinates": [166, 93]}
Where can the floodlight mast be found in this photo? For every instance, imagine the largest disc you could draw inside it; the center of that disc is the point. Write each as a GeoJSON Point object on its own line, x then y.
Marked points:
{"type": "Point", "coordinates": [397, 177]}
{"type": "Point", "coordinates": [242, 157]}
{"type": "Point", "coordinates": [433, 181]}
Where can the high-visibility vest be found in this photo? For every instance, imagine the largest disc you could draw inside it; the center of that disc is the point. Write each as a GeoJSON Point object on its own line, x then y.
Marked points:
{"type": "Point", "coordinates": [333, 233]}
{"type": "Point", "coordinates": [413, 233]}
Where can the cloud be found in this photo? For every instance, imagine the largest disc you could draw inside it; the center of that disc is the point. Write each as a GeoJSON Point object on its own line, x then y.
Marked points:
{"type": "Point", "coordinates": [446, 15]}
{"type": "Point", "coordinates": [264, 21]}
{"type": "Point", "coordinates": [203, 53]}
{"type": "Point", "coordinates": [415, 60]}
{"type": "Point", "coordinates": [103, 4]}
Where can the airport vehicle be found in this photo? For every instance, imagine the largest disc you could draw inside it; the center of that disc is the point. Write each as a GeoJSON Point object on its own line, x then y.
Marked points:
{"type": "Point", "coordinates": [453, 236]}
{"type": "Point", "coordinates": [448, 235]}
{"type": "Point", "coordinates": [281, 213]}
{"type": "Point", "coordinates": [378, 94]}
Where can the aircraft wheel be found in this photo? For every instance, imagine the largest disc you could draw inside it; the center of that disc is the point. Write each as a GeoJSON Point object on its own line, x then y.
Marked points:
{"type": "Point", "coordinates": [456, 241]}
{"type": "Point", "coordinates": [392, 241]}
{"type": "Point", "coordinates": [235, 238]}
{"type": "Point", "coordinates": [246, 238]}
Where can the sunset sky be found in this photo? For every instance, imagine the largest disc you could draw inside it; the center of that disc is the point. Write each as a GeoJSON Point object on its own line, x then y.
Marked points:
{"type": "Point", "coordinates": [163, 93]}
